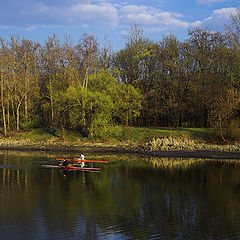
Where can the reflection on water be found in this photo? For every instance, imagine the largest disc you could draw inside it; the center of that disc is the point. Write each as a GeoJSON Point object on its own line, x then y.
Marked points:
{"type": "Point", "coordinates": [130, 198]}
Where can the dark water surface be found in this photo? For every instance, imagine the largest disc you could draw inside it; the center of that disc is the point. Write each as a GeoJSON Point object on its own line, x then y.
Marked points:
{"type": "Point", "coordinates": [130, 198]}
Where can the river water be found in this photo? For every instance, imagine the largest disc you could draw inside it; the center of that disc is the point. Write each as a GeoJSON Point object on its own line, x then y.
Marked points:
{"type": "Point", "coordinates": [132, 197]}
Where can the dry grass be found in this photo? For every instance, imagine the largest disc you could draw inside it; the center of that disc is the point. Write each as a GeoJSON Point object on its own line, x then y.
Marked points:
{"type": "Point", "coordinates": [183, 143]}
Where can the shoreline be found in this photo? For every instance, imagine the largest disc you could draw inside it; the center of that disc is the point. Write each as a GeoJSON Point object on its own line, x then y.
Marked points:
{"type": "Point", "coordinates": [209, 154]}
{"type": "Point", "coordinates": [114, 149]}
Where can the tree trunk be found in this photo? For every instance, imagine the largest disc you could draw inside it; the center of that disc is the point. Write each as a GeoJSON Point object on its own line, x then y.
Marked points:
{"type": "Point", "coordinates": [4, 121]}
{"type": "Point", "coordinates": [26, 108]}
{"type": "Point", "coordinates": [126, 120]}
{"type": "Point", "coordinates": [51, 100]}
{"type": "Point", "coordinates": [18, 116]}
{"type": "Point", "coordinates": [18, 112]}
{"type": "Point", "coordinates": [3, 107]}
{"type": "Point", "coordinates": [221, 132]}
{"type": "Point", "coordinates": [90, 135]}
{"type": "Point", "coordinates": [8, 113]}
{"type": "Point", "coordinates": [26, 96]}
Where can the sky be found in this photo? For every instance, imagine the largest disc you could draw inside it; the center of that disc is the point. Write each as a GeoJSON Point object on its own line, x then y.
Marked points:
{"type": "Point", "coordinates": [112, 19]}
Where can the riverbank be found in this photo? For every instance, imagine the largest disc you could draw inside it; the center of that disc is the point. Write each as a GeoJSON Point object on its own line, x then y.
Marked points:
{"type": "Point", "coordinates": [208, 151]}
{"type": "Point", "coordinates": [210, 154]}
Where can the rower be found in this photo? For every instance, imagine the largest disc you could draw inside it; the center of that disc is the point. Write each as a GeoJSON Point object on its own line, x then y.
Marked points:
{"type": "Point", "coordinates": [65, 163]}
{"type": "Point", "coordinates": [82, 157]}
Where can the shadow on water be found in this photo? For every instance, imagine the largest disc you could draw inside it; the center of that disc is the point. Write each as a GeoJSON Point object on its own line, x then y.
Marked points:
{"type": "Point", "coordinates": [132, 197]}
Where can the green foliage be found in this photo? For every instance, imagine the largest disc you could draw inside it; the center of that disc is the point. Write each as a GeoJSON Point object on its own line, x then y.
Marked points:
{"type": "Point", "coordinates": [233, 130]}
{"type": "Point", "coordinates": [37, 134]}
{"type": "Point", "coordinates": [35, 122]}
{"type": "Point", "coordinates": [75, 103]}
{"type": "Point", "coordinates": [109, 132]}
{"type": "Point", "coordinates": [103, 82]}
{"type": "Point", "coordinates": [142, 135]}
{"type": "Point", "coordinates": [68, 135]}
{"type": "Point", "coordinates": [103, 102]}
{"type": "Point", "coordinates": [128, 103]}
{"type": "Point", "coordinates": [222, 111]}
{"type": "Point", "coordinates": [99, 115]}
{"type": "Point", "coordinates": [91, 108]}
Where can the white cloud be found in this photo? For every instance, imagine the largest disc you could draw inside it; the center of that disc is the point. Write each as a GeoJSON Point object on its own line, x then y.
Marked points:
{"type": "Point", "coordinates": [224, 12]}
{"type": "Point", "coordinates": [210, 2]}
{"type": "Point", "coordinates": [78, 14]}
{"type": "Point", "coordinates": [102, 12]}
{"type": "Point", "coordinates": [153, 18]}
{"type": "Point", "coordinates": [99, 13]}
{"type": "Point", "coordinates": [10, 27]}
{"type": "Point", "coordinates": [218, 19]}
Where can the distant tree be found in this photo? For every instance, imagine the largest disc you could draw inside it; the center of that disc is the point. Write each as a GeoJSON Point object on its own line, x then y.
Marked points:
{"type": "Point", "coordinates": [4, 71]}
{"type": "Point", "coordinates": [233, 30]}
{"type": "Point", "coordinates": [30, 75]}
{"type": "Point", "coordinates": [223, 108]}
{"type": "Point", "coordinates": [128, 103]}
{"type": "Point", "coordinates": [209, 71]}
{"type": "Point", "coordinates": [96, 109]}
{"type": "Point", "coordinates": [88, 53]}
{"type": "Point", "coordinates": [106, 55]}
{"type": "Point", "coordinates": [233, 37]}
{"type": "Point", "coordinates": [52, 78]}
{"type": "Point", "coordinates": [172, 84]}
{"type": "Point", "coordinates": [126, 99]}
{"type": "Point", "coordinates": [130, 60]}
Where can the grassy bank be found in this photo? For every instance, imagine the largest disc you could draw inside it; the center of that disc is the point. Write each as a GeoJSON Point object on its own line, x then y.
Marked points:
{"type": "Point", "coordinates": [129, 134]}
{"type": "Point", "coordinates": [181, 142]}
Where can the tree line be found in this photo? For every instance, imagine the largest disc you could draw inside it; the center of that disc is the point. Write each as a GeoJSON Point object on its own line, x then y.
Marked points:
{"type": "Point", "coordinates": [86, 87]}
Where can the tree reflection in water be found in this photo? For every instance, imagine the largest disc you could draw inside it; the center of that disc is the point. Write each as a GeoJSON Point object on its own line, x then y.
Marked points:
{"type": "Point", "coordinates": [131, 198]}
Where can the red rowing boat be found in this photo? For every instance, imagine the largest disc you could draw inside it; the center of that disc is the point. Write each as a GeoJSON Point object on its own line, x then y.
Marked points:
{"type": "Point", "coordinates": [72, 168]}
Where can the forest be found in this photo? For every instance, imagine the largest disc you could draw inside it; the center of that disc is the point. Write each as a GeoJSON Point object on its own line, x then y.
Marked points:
{"type": "Point", "coordinates": [91, 88]}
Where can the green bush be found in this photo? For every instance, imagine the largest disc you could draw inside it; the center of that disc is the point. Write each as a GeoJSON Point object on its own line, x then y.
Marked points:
{"type": "Point", "coordinates": [33, 123]}
{"type": "Point", "coordinates": [37, 134]}
{"type": "Point", "coordinates": [109, 132]}
{"type": "Point", "coordinates": [233, 130]}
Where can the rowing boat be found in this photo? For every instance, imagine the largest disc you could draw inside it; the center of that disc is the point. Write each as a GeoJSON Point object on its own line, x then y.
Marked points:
{"type": "Point", "coordinates": [72, 168]}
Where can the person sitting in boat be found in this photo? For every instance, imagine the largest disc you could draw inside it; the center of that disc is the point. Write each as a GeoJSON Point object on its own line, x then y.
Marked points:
{"type": "Point", "coordinates": [82, 157]}
{"type": "Point", "coordinates": [65, 163]}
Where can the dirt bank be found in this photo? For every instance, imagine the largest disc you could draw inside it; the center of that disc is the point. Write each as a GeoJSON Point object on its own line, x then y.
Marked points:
{"type": "Point", "coordinates": [66, 147]}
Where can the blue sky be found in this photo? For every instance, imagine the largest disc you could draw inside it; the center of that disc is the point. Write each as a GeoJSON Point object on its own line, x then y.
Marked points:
{"type": "Point", "coordinates": [37, 19]}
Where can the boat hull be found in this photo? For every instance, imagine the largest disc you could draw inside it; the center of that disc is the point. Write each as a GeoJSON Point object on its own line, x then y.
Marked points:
{"type": "Point", "coordinates": [72, 168]}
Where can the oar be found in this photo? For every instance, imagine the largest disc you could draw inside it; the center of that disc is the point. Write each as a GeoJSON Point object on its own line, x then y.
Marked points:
{"type": "Point", "coordinates": [81, 160]}
{"type": "Point", "coordinates": [85, 160]}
